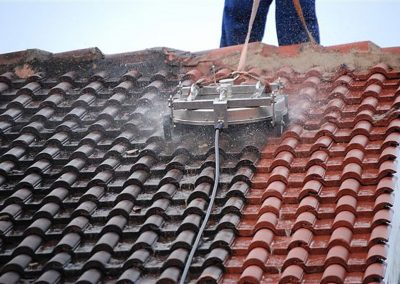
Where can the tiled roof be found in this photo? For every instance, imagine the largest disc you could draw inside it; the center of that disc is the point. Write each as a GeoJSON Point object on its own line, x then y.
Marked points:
{"type": "Point", "coordinates": [90, 191]}
{"type": "Point", "coordinates": [320, 203]}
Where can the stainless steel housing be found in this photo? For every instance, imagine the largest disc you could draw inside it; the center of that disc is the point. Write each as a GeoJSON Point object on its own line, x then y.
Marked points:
{"type": "Point", "coordinates": [231, 104]}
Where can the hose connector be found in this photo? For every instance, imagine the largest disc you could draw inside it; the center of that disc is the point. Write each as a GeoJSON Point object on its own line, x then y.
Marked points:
{"type": "Point", "coordinates": [219, 125]}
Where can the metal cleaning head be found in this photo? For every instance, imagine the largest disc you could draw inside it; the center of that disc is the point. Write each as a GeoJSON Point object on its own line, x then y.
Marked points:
{"type": "Point", "coordinates": [226, 103]}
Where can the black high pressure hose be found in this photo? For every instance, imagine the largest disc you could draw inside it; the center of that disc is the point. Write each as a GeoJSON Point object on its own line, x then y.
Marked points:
{"type": "Point", "coordinates": [218, 127]}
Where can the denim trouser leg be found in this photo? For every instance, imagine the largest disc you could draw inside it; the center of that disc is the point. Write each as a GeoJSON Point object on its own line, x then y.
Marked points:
{"type": "Point", "coordinates": [289, 28]}
{"type": "Point", "coordinates": [236, 20]}
{"type": "Point", "coordinates": [288, 25]}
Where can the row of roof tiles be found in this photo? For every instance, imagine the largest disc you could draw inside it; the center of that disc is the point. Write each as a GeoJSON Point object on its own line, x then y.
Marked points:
{"type": "Point", "coordinates": [106, 198]}
{"type": "Point", "coordinates": [320, 203]}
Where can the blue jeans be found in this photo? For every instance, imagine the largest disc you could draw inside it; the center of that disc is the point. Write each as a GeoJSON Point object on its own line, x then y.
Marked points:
{"type": "Point", "coordinates": [289, 28]}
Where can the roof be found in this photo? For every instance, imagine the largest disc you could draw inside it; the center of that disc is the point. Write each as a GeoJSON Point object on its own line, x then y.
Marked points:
{"type": "Point", "coordinates": [90, 191]}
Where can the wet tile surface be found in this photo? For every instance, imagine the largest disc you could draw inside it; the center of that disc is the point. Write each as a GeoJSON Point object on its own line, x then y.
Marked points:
{"type": "Point", "coordinates": [90, 191]}
{"type": "Point", "coordinates": [322, 194]}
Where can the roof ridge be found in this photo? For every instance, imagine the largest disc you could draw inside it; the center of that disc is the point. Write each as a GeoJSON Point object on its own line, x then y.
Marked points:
{"type": "Point", "coordinates": [29, 55]}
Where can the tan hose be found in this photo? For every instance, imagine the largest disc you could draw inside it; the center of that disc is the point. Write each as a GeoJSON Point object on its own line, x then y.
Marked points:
{"type": "Point", "coordinates": [243, 54]}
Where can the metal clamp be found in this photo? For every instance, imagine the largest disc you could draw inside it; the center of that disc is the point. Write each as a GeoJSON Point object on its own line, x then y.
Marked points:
{"type": "Point", "coordinates": [221, 112]}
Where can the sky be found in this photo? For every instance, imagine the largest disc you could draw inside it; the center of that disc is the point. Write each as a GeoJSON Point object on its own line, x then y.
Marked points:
{"type": "Point", "coordinates": [191, 25]}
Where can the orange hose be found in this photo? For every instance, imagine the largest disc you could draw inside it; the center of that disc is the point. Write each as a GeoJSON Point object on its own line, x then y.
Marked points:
{"type": "Point", "coordinates": [299, 11]}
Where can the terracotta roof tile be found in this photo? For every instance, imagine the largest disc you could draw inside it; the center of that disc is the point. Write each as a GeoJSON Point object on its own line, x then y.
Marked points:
{"type": "Point", "coordinates": [350, 155]}
{"type": "Point", "coordinates": [91, 192]}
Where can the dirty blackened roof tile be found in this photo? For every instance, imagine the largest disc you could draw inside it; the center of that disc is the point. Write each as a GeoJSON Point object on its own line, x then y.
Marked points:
{"type": "Point", "coordinates": [91, 191]}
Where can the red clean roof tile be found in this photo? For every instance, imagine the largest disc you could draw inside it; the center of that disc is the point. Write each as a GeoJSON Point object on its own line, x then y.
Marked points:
{"type": "Point", "coordinates": [326, 182]}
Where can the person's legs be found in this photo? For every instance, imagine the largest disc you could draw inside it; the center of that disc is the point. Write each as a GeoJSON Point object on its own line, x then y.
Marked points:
{"type": "Point", "coordinates": [289, 28]}
{"type": "Point", "coordinates": [236, 18]}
